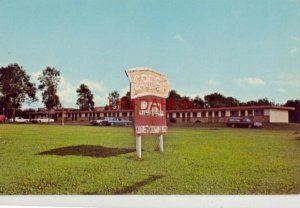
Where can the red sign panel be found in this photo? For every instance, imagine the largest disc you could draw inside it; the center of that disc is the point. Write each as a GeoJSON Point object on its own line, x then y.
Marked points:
{"type": "Point", "coordinates": [150, 115]}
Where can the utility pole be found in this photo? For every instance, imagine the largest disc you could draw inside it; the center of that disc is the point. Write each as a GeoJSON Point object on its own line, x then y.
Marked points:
{"type": "Point", "coordinates": [63, 117]}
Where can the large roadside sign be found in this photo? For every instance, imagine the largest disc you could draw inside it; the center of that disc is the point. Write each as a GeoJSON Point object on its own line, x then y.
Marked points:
{"type": "Point", "coordinates": [149, 90]}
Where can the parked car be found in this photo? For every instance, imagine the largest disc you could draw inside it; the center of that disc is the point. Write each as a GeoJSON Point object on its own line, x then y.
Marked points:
{"type": "Point", "coordinates": [18, 120]}
{"type": "Point", "coordinates": [242, 122]}
{"type": "Point", "coordinates": [42, 120]}
{"type": "Point", "coordinates": [2, 119]}
{"type": "Point", "coordinates": [97, 121]}
{"type": "Point", "coordinates": [111, 121]}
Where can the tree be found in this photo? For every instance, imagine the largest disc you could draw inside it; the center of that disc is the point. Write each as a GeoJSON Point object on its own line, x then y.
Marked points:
{"type": "Point", "coordinates": [49, 80]}
{"type": "Point", "coordinates": [126, 102]}
{"type": "Point", "coordinates": [294, 116]}
{"type": "Point", "coordinates": [85, 98]}
{"type": "Point", "coordinates": [173, 100]}
{"type": "Point", "coordinates": [15, 88]}
{"type": "Point", "coordinates": [198, 103]}
{"type": "Point", "coordinates": [231, 101]}
{"type": "Point", "coordinates": [113, 98]}
{"type": "Point", "coordinates": [262, 101]}
{"type": "Point", "coordinates": [215, 100]}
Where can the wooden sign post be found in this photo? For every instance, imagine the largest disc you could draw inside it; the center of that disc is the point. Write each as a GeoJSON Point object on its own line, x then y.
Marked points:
{"type": "Point", "coordinates": [149, 90]}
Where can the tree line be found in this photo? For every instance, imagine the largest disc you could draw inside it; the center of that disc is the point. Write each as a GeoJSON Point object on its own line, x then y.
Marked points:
{"type": "Point", "coordinates": [16, 88]}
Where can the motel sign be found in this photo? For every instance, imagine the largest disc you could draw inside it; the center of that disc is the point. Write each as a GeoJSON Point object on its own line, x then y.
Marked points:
{"type": "Point", "coordinates": [149, 89]}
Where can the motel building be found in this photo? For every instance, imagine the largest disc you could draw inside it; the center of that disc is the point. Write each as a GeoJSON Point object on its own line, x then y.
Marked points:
{"type": "Point", "coordinates": [264, 114]}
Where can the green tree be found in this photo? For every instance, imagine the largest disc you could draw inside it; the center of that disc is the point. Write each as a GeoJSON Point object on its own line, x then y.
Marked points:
{"type": "Point", "coordinates": [294, 115]}
{"type": "Point", "coordinates": [173, 100]}
{"type": "Point", "coordinates": [113, 98]}
{"type": "Point", "coordinates": [49, 80]}
{"type": "Point", "coordinates": [15, 88]}
{"type": "Point", "coordinates": [85, 98]}
{"type": "Point", "coordinates": [262, 101]}
{"type": "Point", "coordinates": [231, 101]}
{"type": "Point", "coordinates": [126, 102]}
{"type": "Point", "coordinates": [198, 103]}
{"type": "Point", "coordinates": [215, 100]}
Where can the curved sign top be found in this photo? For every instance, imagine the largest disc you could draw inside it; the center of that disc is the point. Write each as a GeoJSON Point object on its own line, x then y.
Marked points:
{"type": "Point", "coordinates": [146, 81]}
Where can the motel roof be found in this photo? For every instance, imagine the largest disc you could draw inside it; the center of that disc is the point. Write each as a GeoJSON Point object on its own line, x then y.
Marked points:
{"type": "Point", "coordinates": [259, 107]}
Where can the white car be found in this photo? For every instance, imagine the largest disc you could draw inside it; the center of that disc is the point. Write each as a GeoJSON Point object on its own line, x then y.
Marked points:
{"type": "Point", "coordinates": [42, 120]}
{"type": "Point", "coordinates": [18, 120]}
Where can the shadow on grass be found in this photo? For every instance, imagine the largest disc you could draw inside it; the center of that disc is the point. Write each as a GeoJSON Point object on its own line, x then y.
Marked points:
{"type": "Point", "coordinates": [134, 187]}
{"type": "Point", "coordinates": [87, 150]}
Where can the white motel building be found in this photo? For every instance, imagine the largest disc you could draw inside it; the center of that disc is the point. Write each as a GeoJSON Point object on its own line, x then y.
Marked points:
{"type": "Point", "coordinates": [265, 114]}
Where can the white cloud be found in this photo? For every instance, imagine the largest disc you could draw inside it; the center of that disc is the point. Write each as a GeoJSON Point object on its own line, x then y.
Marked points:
{"type": "Point", "coordinates": [296, 38]}
{"type": "Point", "coordinates": [295, 50]}
{"type": "Point", "coordinates": [94, 86]}
{"type": "Point", "coordinates": [34, 78]}
{"type": "Point", "coordinates": [35, 75]}
{"type": "Point", "coordinates": [67, 90]}
{"type": "Point", "coordinates": [124, 90]}
{"type": "Point", "coordinates": [250, 81]}
{"type": "Point", "coordinates": [282, 90]}
{"type": "Point", "coordinates": [213, 82]}
{"type": "Point", "coordinates": [288, 79]}
{"type": "Point", "coordinates": [179, 37]}
{"type": "Point", "coordinates": [100, 100]}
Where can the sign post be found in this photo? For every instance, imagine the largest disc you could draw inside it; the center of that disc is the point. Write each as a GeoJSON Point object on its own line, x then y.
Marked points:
{"type": "Point", "coordinates": [149, 90]}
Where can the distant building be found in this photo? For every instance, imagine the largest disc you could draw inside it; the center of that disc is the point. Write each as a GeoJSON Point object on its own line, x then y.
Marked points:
{"type": "Point", "coordinates": [265, 114]}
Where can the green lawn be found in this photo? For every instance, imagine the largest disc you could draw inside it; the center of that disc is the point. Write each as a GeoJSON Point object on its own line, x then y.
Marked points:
{"type": "Point", "coordinates": [50, 159]}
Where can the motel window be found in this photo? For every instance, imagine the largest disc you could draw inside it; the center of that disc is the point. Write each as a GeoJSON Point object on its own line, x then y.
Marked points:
{"type": "Point", "coordinates": [203, 114]}
{"type": "Point", "coordinates": [124, 114]}
{"type": "Point", "coordinates": [250, 112]}
{"type": "Point", "coordinates": [69, 115]}
{"type": "Point", "coordinates": [259, 112]}
{"type": "Point", "coordinates": [195, 114]}
{"type": "Point", "coordinates": [86, 115]}
{"type": "Point", "coordinates": [242, 113]}
{"type": "Point", "coordinates": [209, 114]}
{"type": "Point", "coordinates": [170, 115]}
{"type": "Point", "coordinates": [216, 113]}
{"type": "Point", "coordinates": [177, 115]}
{"type": "Point", "coordinates": [234, 113]}
{"type": "Point", "coordinates": [223, 114]}
{"type": "Point", "coordinates": [98, 114]}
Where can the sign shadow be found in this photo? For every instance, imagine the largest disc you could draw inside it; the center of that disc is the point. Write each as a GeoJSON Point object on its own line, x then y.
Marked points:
{"type": "Point", "coordinates": [97, 151]}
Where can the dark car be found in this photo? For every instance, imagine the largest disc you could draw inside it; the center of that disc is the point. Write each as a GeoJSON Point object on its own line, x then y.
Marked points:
{"type": "Point", "coordinates": [242, 122]}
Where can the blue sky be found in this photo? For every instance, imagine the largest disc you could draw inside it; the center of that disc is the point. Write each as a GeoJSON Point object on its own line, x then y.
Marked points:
{"type": "Point", "coordinates": [245, 49]}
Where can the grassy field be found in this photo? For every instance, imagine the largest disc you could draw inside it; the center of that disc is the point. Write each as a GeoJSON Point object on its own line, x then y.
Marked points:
{"type": "Point", "coordinates": [50, 159]}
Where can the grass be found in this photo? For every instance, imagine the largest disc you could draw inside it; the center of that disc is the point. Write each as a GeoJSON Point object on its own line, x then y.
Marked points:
{"type": "Point", "coordinates": [50, 159]}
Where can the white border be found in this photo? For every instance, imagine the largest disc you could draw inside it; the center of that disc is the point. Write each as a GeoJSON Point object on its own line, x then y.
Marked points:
{"type": "Point", "coordinates": [154, 201]}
